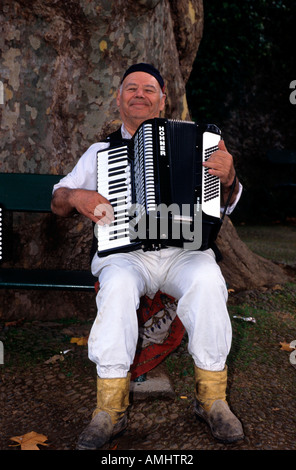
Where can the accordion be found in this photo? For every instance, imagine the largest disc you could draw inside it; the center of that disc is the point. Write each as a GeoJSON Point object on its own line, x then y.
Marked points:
{"type": "Point", "coordinates": [161, 193]}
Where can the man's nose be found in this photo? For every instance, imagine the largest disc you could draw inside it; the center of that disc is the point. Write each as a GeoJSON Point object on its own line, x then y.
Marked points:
{"type": "Point", "coordinates": [140, 93]}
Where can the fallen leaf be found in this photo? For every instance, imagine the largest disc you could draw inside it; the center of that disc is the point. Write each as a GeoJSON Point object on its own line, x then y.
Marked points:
{"type": "Point", "coordinates": [286, 346]}
{"type": "Point", "coordinates": [54, 359]}
{"type": "Point", "coordinates": [82, 341]}
{"type": "Point", "coordinates": [277, 287]}
{"type": "Point", "coordinates": [30, 440]}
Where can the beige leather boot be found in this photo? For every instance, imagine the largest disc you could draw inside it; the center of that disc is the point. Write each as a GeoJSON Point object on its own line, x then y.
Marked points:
{"type": "Point", "coordinates": [110, 416]}
{"type": "Point", "coordinates": [211, 405]}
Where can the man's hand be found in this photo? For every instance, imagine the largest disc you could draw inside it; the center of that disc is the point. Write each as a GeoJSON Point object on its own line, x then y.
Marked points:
{"type": "Point", "coordinates": [93, 205]}
{"type": "Point", "coordinates": [88, 203]}
{"type": "Point", "coordinates": [220, 164]}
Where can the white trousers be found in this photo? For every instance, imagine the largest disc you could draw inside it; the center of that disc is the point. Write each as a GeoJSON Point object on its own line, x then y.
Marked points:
{"type": "Point", "coordinates": [192, 277]}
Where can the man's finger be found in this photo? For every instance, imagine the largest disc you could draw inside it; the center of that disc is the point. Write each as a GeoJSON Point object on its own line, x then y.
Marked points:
{"type": "Point", "coordinates": [222, 146]}
{"type": "Point", "coordinates": [104, 212]}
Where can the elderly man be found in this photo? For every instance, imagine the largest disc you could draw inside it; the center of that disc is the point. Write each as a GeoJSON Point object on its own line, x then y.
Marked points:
{"type": "Point", "coordinates": [191, 276]}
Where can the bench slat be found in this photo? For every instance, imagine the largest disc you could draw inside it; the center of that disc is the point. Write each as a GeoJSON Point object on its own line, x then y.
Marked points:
{"type": "Point", "coordinates": [46, 279]}
{"type": "Point", "coordinates": [27, 192]}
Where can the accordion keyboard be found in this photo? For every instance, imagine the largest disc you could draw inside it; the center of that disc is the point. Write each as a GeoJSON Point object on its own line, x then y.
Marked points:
{"type": "Point", "coordinates": [114, 183]}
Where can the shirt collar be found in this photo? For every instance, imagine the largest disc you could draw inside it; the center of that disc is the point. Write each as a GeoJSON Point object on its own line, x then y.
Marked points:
{"type": "Point", "coordinates": [124, 132]}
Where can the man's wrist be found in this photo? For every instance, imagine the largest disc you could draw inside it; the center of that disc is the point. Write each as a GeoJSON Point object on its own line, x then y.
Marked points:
{"type": "Point", "coordinates": [231, 184]}
{"type": "Point", "coordinates": [73, 194]}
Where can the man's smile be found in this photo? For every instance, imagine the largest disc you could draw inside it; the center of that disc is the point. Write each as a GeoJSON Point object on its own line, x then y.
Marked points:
{"type": "Point", "coordinates": [139, 104]}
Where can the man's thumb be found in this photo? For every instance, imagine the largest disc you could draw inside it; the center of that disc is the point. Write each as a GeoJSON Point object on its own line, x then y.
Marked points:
{"type": "Point", "coordinates": [222, 145]}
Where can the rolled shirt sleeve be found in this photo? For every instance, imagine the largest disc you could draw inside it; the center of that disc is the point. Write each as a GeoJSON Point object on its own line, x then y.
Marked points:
{"type": "Point", "coordinates": [83, 175]}
{"type": "Point", "coordinates": [232, 206]}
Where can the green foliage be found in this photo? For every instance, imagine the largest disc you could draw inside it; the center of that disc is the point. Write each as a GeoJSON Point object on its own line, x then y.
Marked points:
{"type": "Point", "coordinates": [245, 45]}
{"type": "Point", "coordinates": [241, 82]}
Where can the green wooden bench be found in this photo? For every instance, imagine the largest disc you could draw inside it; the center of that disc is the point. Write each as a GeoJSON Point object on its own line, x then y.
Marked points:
{"type": "Point", "coordinates": [20, 192]}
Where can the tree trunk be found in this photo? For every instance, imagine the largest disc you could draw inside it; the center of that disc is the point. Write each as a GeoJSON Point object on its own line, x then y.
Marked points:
{"type": "Point", "coordinates": [61, 66]}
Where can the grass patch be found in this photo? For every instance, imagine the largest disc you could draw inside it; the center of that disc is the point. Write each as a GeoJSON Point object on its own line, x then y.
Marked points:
{"type": "Point", "coordinates": [26, 346]}
{"type": "Point", "coordinates": [259, 343]}
{"type": "Point", "coordinates": [253, 344]}
{"type": "Point", "coordinates": [276, 242]}
{"type": "Point", "coordinates": [182, 368]}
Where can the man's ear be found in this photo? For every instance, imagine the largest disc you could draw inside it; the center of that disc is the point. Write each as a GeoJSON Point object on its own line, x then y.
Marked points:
{"type": "Point", "coordinates": [163, 102]}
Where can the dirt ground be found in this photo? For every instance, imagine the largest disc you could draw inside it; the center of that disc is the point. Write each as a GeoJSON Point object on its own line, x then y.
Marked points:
{"type": "Point", "coordinates": [52, 393]}
{"type": "Point", "coordinates": [47, 384]}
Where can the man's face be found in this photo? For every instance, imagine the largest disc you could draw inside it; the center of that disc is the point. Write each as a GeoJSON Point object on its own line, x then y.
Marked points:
{"type": "Point", "coordinates": [140, 99]}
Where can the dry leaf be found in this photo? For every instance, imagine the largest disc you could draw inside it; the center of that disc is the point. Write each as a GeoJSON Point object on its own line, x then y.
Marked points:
{"type": "Point", "coordinates": [286, 347]}
{"type": "Point", "coordinates": [30, 440]}
{"type": "Point", "coordinates": [54, 359]}
{"type": "Point", "coordinates": [82, 341]}
{"type": "Point", "coordinates": [277, 287]}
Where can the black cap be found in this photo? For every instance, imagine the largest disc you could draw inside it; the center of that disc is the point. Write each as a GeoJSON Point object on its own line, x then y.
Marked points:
{"type": "Point", "coordinates": [147, 68]}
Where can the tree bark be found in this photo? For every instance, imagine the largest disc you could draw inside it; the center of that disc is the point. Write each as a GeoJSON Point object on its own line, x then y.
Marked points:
{"type": "Point", "coordinates": [62, 63]}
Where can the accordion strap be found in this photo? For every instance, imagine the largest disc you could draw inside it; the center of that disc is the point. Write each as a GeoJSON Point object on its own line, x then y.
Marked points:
{"type": "Point", "coordinates": [115, 138]}
{"type": "Point", "coordinates": [229, 197]}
